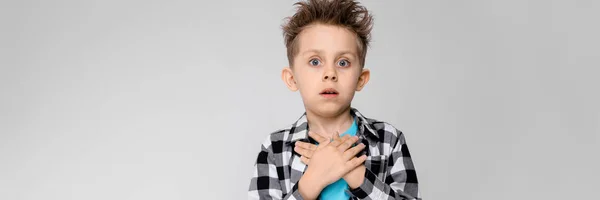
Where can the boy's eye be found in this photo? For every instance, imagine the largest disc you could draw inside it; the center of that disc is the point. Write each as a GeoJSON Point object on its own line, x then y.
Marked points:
{"type": "Point", "coordinates": [343, 63]}
{"type": "Point", "coordinates": [314, 62]}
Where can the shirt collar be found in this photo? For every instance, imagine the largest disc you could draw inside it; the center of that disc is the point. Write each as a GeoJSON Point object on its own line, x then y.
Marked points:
{"type": "Point", "coordinates": [299, 130]}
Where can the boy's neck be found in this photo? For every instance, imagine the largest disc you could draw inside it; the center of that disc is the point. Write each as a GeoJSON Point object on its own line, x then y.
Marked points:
{"type": "Point", "coordinates": [327, 126]}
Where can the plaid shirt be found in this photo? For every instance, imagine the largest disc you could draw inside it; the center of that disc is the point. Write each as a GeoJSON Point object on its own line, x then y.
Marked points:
{"type": "Point", "coordinates": [390, 171]}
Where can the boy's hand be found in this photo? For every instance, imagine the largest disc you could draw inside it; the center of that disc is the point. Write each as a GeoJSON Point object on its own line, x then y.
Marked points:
{"type": "Point", "coordinates": [329, 164]}
{"type": "Point", "coordinates": [306, 150]}
{"type": "Point", "coordinates": [355, 177]}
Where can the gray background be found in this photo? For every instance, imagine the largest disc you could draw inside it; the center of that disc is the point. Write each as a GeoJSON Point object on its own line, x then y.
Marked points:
{"type": "Point", "coordinates": [171, 100]}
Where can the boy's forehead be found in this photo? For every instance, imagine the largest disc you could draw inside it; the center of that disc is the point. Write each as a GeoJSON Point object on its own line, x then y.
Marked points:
{"type": "Point", "coordinates": [327, 39]}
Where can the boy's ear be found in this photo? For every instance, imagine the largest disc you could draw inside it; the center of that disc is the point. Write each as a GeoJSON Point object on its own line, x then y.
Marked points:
{"type": "Point", "coordinates": [287, 75]}
{"type": "Point", "coordinates": [363, 79]}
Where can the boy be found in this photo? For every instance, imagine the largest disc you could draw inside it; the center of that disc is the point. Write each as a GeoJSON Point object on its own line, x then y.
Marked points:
{"type": "Point", "coordinates": [326, 44]}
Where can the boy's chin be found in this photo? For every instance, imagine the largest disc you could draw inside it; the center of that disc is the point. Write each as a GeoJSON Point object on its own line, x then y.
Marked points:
{"type": "Point", "coordinates": [328, 110]}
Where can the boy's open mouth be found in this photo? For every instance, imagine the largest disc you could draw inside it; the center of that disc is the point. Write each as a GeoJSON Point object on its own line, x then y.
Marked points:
{"type": "Point", "coordinates": [329, 93]}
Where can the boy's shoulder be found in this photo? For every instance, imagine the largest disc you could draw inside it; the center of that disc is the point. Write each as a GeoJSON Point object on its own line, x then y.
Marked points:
{"type": "Point", "coordinates": [383, 132]}
{"type": "Point", "coordinates": [285, 134]}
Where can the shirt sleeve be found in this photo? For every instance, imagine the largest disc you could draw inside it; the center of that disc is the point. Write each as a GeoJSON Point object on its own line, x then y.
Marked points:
{"type": "Point", "coordinates": [265, 182]}
{"type": "Point", "coordinates": [400, 180]}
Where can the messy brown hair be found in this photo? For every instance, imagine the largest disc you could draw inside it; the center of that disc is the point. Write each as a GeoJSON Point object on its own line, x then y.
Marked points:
{"type": "Point", "coordinates": [348, 14]}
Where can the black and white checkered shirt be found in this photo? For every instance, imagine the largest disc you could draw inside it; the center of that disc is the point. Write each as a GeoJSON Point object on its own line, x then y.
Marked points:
{"type": "Point", "coordinates": [390, 171]}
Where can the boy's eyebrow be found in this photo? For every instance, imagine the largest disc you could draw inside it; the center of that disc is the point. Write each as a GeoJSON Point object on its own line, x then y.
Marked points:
{"type": "Point", "coordinates": [321, 52]}
{"type": "Point", "coordinates": [312, 51]}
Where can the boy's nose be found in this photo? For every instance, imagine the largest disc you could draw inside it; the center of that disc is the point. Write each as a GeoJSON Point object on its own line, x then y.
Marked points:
{"type": "Point", "coordinates": [330, 76]}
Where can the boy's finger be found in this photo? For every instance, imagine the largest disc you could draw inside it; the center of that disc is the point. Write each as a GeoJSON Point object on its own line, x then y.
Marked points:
{"type": "Point", "coordinates": [348, 142]}
{"type": "Point", "coordinates": [306, 145]}
{"type": "Point", "coordinates": [317, 137]}
{"type": "Point", "coordinates": [323, 144]}
{"type": "Point", "coordinates": [355, 162]}
{"type": "Point", "coordinates": [305, 160]}
{"type": "Point", "coordinates": [337, 139]}
{"type": "Point", "coordinates": [348, 154]}
{"type": "Point", "coordinates": [344, 138]}
{"type": "Point", "coordinates": [336, 142]}
{"type": "Point", "coordinates": [303, 151]}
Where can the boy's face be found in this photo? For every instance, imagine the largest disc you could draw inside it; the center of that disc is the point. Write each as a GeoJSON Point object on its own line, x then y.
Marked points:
{"type": "Point", "coordinates": [326, 69]}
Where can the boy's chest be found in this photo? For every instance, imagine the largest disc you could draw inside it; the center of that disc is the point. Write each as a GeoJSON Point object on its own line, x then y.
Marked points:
{"type": "Point", "coordinates": [377, 162]}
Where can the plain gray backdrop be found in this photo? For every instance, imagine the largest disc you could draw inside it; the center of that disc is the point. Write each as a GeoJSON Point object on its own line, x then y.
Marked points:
{"type": "Point", "coordinates": [136, 99]}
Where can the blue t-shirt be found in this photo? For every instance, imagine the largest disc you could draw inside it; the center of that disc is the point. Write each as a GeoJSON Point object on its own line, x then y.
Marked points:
{"type": "Point", "coordinates": [337, 190]}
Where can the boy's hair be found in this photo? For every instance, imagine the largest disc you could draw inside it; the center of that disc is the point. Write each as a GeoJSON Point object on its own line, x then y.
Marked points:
{"type": "Point", "coordinates": [348, 14]}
